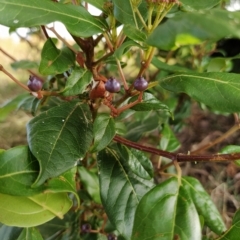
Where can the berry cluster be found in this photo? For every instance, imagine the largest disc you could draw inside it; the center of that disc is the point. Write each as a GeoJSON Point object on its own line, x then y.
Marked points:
{"type": "Point", "coordinates": [113, 86]}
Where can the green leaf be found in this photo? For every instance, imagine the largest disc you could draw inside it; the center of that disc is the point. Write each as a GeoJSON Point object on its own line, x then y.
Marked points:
{"type": "Point", "coordinates": [220, 91]}
{"type": "Point", "coordinates": [134, 33]}
{"type": "Point", "coordinates": [124, 11]}
{"type": "Point", "coordinates": [97, 3]}
{"type": "Point", "coordinates": [78, 81]}
{"type": "Point", "coordinates": [231, 149]}
{"type": "Point", "coordinates": [166, 212]}
{"type": "Point", "coordinates": [137, 162]}
{"type": "Point", "coordinates": [168, 141]}
{"type": "Point", "coordinates": [24, 64]}
{"type": "Point", "coordinates": [233, 231]}
{"type": "Point", "coordinates": [91, 183]}
{"type": "Point", "coordinates": [24, 13]}
{"type": "Point", "coordinates": [30, 234]}
{"type": "Point", "coordinates": [9, 233]}
{"type": "Point", "coordinates": [55, 61]}
{"type": "Point", "coordinates": [120, 189]}
{"type": "Point", "coordinates": [149, 103]}
{"type": "Point", "coordinates": [103, 131]}
{"type": "Point", "coordinates": [193, 28]}
{"type": "Point", "coordinates": [18, 171]}
{"type": "Point", "coordinates": [139, 127]}
{"type": "Point", "coordinates": [12, 105]}
{"type": "Point", "coordinates": [124, 48]}
{"type": "Point", "coordinates": [204, 205]}
{"type": "Point", "coordinates": [169, 68]}
{"type": "Point", "coordinates": [201, 4]}
{"type": "Point", "coordinates": [33, 211]}
{"type": "Point", "coordinates": [59, 137]}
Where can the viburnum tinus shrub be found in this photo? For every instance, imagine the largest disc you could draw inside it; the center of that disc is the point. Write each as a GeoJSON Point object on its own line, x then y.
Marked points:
{"type": "Point", "coordinates": [103, 159]}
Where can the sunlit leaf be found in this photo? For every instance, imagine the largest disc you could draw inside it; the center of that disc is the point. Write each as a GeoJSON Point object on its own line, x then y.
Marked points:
{"type": "Point", "coordinates": [59, 137]}
{"type": "Point", "coordinates": [33, 211]}
{"type": "Point", "coordinates": [220, 91]}
{"type": "Point", "coordinates": [231, 149]}
{"type": "Point", "coordinates": [24, 13]}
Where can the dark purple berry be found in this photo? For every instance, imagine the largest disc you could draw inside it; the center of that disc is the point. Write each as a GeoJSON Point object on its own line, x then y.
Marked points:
{"type": "Point", "coordinates": [112, 85]}
{"type": "Point", "coordinates": [34, 84]}
{"type": "Point", "coordinates": [86, 228]}
{"type": "Point", "coordinates": [140, 84]}
{"type": "Point", "coordinates": [111, 237]}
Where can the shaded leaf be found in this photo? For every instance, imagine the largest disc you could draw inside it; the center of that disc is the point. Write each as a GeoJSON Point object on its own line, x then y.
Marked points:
{"type": "Point", "coordinates": [220, 91]}
{"type": "Point", "coordinates": [24, 13]}
{"type": "Point", "coordinates": [168, 141]}
{"type": "Point", "coordinates": [134, 33]}
{"type": "Point", "coordinates": [59, 137]}
{"type": "Point", "coordinates": [18, 171]}
{"type": "Point", "coordinates": [201, 4]}
{"type": "Point", "coordinates": [24, 64]}
{"type": "Point", "coordinates": [149, 103]}
{"type": "Point", "coordinates": [11, 105]}
{"type": "Point", "coordinates": [169, 68]}
{"type": "Point", "coordinates": [120, 189]}
{"type": "Point", "coordinates": [193, 28]}
{"type": "Point", "coordinates": [78, 81]}
{"type": "Point", "coordinates": [30, 234]}
{"type": "Point", "coordinates": [9, 233]}
{"type": "Point", "coordinates": [166, 212]}
{"type": "Point", "coordinates": [33, 211]}
{"type": "Point", "coordinates": [55, 61]}
{"type": "Point", "coordinates": [103, 131]}
{"type": "Point", "coordinates": [91, 183]}
{"type": "Point", "coordinates": [137, 162]}
{"type": "Point", "coordinates": [124, 48]}
{"type": "Point", "coordinates": [204, 205]}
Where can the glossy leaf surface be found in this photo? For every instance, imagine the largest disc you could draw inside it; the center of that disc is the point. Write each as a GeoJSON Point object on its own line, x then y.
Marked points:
{"type": "Point", "coordinates": [120, 189]}
{"type": "Point", "coordinates": [171, 210]}
{"type": "Point", "coordinates": [78, 81]}
{"type": "Point", "coordinates": [103, 131]}
{"type": "Point", "coordinates": [219, 91]}
{"type": "Point", "coordinates": [33, 211]}
{"type": "Point", "coordinates": [204, 205]}
{"type": "Point", "coordinates": [18, 171]}
{"type": "Point", "coordinates": [24, 13]}
{"type": "Point", "coordinates": [59, 137]}
{"type": "Point", "coordinates": [55, 61]}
